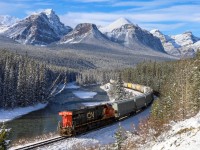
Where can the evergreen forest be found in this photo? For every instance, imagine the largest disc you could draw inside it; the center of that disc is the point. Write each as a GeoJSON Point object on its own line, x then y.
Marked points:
{"type": "Point", "coordinates": [25, 81]}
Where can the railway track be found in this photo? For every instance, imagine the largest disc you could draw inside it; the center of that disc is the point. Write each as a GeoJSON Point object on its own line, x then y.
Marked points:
{"type": "Point", "coordinates": [39, 144]}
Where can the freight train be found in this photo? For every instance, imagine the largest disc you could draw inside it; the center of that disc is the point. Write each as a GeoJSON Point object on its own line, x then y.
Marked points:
{"type": "Point", "coordinates": [80, 121]}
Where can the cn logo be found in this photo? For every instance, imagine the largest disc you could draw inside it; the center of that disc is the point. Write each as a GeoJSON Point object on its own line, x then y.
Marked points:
{"type": "Point", "coordinates": [90, 115]}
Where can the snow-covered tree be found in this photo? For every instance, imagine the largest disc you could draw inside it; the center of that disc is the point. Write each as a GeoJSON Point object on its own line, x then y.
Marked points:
{"type": "Point", "coordinates": [120, 136]}
{"type": "Point", "coordinates": [120, 93]}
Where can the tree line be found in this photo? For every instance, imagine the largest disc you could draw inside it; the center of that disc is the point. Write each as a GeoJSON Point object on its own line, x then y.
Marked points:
{"type": "Point", "coordinates": [178, 84]}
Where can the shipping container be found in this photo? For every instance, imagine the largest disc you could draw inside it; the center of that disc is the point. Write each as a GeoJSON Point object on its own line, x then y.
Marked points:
{"type": "Point", "coordinates": [124, 107]}
{"type": "Point", "coordinates": [140, 101]}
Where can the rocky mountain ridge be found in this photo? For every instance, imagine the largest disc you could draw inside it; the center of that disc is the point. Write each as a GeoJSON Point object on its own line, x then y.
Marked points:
{"type": "Point", "coordinates": [185, 44]}
{"type": "Point", "coordinates": [44, 28]}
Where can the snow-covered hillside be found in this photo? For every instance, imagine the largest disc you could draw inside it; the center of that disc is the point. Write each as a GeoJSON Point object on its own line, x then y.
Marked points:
{"type": "Point", "coordinates": [185, 44]}
{"type": "Point", "coordinates": [183, 135]}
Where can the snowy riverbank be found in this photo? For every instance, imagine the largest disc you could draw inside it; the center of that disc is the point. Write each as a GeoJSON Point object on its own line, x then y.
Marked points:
{"type": "Point", "coordinates": [7, 115]}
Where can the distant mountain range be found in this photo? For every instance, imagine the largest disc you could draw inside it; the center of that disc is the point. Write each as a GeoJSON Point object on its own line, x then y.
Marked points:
{"type": "Point", "coordinates": [45, 28]}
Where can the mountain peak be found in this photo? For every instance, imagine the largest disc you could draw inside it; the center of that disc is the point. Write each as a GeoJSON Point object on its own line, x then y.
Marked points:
{"type": "Point", "coordinates": [48, 11]}
{"type": "Point", "coordinates": [122, 21]}
{"type": "Point", "coordinates": [116, 24]}
{"type": "Point", "coordinates": [155, 30]}
{"type": "Point", "coordinates": [83, 32]}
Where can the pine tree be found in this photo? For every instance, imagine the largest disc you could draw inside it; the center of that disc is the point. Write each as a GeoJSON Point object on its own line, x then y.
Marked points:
{"type": "Point", "coordinates": [120, 136]}
{"type": "Point", "coordinates": [120, 93]}
{"type": "Point", "coordinates": [3, 137]}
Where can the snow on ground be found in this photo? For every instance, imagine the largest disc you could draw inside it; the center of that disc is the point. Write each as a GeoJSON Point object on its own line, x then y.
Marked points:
{"type": "Point", "coordinates": [72, 85]}
{"type": "Point", "coordinates": [105, 87]}
{"type": "Point", "coordinates": [183, 135]}
{"type": "Point", "coordinates": [84, 94]}
{"type": "Point", "coordinates": [101, 136]}
{"type": "Point", "coordinates": [6, 115]}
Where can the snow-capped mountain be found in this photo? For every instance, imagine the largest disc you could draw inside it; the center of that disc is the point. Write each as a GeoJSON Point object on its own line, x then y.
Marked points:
{"type": "Point", "coordinates": [84, 33]}
{"type": "Point", "coordinates": [38, 29]}
{"type": "Point", "coordinates": [185, 44]}
{"type": "Point", "coordinates": [129, 35]}
{"type": "Point", "coordinates": [115, 25]}
{"type": "Point", "coordinates": [6, 21]}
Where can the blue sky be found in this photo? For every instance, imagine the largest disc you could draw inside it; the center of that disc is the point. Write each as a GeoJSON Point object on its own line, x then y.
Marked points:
{"type": "Point", "coordinates": [169, 16]}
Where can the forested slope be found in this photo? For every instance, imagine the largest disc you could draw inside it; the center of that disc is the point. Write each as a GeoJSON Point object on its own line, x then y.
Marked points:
{"type": "Point", "coordinates": [25, 81]}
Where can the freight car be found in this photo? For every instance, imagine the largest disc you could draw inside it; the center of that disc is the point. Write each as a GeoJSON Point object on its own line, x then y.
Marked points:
{"type": "Point", "coordinates": [79, 121]}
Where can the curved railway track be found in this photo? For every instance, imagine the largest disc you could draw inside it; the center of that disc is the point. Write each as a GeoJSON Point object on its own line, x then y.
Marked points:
{"type": "Point", "coordinates": [50, 141]}
{"type": "Point", "coordinates": [56, 139]}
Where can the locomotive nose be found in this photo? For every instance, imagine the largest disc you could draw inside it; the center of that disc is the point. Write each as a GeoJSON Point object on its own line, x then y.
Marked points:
{"type": "Point", "coordinates": [66, 118]}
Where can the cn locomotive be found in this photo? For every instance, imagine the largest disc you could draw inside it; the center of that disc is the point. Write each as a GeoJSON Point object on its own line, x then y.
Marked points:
{"type": "Point", "coordinates": [80, 121]}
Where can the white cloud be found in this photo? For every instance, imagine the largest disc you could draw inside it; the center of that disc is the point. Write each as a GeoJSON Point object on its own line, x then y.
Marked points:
{"type": "Point", "coordinates": [171, 14]}
{"type": "Point", "coordinates": [168, 18]}
{"type": "Point", "coordinates": [6, 8]}
{"type": "Point", "coordinates": [73, 18]}
{"type": "Point", "coordinates": [162, 27]}
{"type": "Point", "coordinates": [144, 20]}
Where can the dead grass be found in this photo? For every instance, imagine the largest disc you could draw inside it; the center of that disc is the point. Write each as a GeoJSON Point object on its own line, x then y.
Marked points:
{"type": "Point", "coordinates": [184, 130]}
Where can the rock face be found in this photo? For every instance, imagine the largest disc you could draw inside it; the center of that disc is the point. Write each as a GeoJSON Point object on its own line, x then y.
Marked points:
{"type": "Point", "coordinates": [38, 29]}
{"type": "Point", "coordinates": [83, 33]}
{"type": "Point", "coordinates": [131, 36]}
{"type": "Point", "coordinates": [185, 44]}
